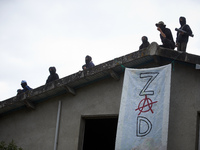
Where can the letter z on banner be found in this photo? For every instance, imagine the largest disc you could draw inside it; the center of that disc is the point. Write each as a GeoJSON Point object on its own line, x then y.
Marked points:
{"type": "Point", "coordinates": [144, 109]}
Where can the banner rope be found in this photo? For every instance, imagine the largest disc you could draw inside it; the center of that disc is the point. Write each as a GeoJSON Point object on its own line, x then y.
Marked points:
{"type": "Point", "coordinates": [123, 66]}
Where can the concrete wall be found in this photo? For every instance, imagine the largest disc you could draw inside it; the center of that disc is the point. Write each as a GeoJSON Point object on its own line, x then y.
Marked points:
{"type": "Point", "coordinates": [35, 129]}
{"type": "Point", "coordinates": [184, 107]}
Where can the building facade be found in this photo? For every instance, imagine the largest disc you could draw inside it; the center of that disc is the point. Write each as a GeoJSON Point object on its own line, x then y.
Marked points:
{"type": "Point", "coordinates": [80, 111]}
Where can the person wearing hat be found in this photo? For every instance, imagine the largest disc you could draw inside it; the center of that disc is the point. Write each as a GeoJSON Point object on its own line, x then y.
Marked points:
{"type": "Point", "coordinates": [24, 86]}
{"type": "Point", "coordinates": [165, 35]}
{"type": "Point", "coordinates": [145, 43]}
{"type": "Point", "coordinates": [88, 63]}
{"type": "Point", "coordinates": [53, 75]}
{"type": "Point", "coordinates": [183, 37]}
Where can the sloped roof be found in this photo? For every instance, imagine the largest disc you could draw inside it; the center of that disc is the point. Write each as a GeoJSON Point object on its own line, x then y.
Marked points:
{"type": "Point", "coordinates": [112, 68]}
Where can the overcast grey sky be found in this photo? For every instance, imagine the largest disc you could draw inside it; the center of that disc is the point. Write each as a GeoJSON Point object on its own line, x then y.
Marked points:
{"type": "Point", "coordinates": [35, 35]}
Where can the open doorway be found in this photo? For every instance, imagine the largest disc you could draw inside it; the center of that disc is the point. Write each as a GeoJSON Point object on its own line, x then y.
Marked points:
{"type": "Point", "coordinates": [100, 133]}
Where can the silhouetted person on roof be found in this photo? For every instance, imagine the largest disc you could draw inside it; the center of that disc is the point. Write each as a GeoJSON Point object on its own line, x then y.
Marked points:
{"type": "Point", "coordinates": [145, 43]}
{"type": "Point", "coordinates": [53, 75]}
{"type": "Point", "coordinates": [182, 37]}
{"type": "Point", "coordinates": [165, 35]}
{"type": "Point", "coordinates": [88, 63]}
{"type": "Point", "coordinates": [24, 86]}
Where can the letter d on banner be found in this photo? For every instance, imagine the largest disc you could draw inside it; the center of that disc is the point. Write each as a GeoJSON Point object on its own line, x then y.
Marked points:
{"type": "Point", "coordinates": [144, 126]}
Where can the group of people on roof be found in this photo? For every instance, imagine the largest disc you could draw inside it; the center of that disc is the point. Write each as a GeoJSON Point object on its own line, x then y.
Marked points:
{"type": "Point", "coordinates": [54, 76]}
{"type": "Point", "coordinates": [166, 37]}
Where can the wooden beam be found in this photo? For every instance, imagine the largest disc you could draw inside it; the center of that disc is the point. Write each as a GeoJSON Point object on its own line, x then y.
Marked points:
{"type": "Point", "coordinates": [29, 104]}
{"type": "Point", "coordinates": [114, 74]}
{"type": "Point", "coordinates": [70, 90]}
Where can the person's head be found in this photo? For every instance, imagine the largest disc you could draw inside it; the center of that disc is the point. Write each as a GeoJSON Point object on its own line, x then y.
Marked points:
{"type": "Point", "coordinates": [160, 24]}
{"type": "Point", "coordinates": [23, 83]}
{"type": "Point", "coordinates": [182, 21]}
{"type": "Point", "coordinates": [84, 67]}
{"type": "Point", "coordinates": [88, 59]}
{"type": "Point", "coordinates": [144, 39]}
{"type": "Point", "coordinates": [52, 70]}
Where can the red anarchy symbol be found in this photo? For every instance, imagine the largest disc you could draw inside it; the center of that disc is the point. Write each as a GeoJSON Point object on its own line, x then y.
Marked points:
{"type": "Point", "coordinates": [147, 102]}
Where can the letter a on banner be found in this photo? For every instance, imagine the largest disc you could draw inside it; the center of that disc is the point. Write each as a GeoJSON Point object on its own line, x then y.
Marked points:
{"type": "Point", "coordinates": [144, 110]}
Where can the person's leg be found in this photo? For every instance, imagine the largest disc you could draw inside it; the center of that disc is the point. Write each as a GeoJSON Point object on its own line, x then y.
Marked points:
{"type": "Point", "coordinates": [168, 44]}
{"type": "Point", "coordinates": [178, 46]}
{"type": "Point", "coordinates": [183, 46]}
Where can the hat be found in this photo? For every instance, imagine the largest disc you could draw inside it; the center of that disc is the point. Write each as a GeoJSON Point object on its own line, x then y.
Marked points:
{"type": "Point", "coordinates": [160, 23]}
{"type": "Point", "coordinates": [23, 81]}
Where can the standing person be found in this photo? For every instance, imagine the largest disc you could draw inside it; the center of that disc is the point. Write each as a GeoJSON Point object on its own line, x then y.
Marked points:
{"type": "Point", "coordinates": [145, 43]}
{"type": "Point", "coordinates": [24, 86]}
{"type": "Point", "coordinates": [165, 35]}
{"type": "Point", "coordinates": [183, 37]}
{"type": "Point", "coordinates": [53, 75]}
{"type": "Point", "coordinates": [88, 62]}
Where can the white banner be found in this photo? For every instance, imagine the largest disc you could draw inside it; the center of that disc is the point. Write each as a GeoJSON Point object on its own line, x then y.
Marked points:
{"type": "Point", "coordinates": [144, 109]}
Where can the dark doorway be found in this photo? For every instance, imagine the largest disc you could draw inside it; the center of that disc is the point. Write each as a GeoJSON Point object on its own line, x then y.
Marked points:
{"type": "Point", "coordinates": [100, 134]}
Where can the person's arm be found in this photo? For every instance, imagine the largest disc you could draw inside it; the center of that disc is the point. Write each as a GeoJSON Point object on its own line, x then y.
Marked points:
{"type": "Point", "coordinates": [161, 32]}
{"type": "Point", "coordinates": [188, 30]}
